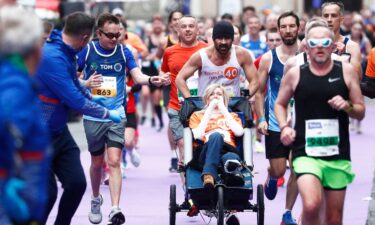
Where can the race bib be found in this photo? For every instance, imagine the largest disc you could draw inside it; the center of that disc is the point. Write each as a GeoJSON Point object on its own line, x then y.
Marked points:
{"type": "Point", "coordinates": [192, 84]}
{"type": "Point", "coordinates": [322, 137]}
{"type": "Point", "coordinates": [229, 90]}
{"type": "Point", "coordinates": [108, 88]}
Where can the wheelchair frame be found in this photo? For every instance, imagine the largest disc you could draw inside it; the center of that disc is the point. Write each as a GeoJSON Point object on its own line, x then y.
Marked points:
{"type": "Point", "coordinates": [196, 197]}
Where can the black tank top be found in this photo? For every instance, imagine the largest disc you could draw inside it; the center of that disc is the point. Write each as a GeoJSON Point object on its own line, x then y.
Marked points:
{"type": "Point", "coordinates": [150, 68]}
{"type": "Point", "coordinates": [311, 102]}
{"type": "Point", "coordinates": [169, 41]}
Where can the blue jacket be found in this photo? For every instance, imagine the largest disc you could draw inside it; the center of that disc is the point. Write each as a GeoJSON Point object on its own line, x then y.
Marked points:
{"type": "Point", "coordinates": [21, 120]}
{"type": "Point", "coordinates": [20, 112]}
{"type": "Point", "coordinates": [60, 88]}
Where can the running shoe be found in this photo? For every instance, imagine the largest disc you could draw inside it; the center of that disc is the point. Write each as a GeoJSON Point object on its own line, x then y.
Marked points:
{"type": "Point", "coordinates": [116, 217]}
{"type": "Point", "coordinates": [106, 179]}
{"type": "Point", "coordinates": [161, 126]}
{"type": "Point", "coordinates": [152, 122]}
{"type": "Point", "coordinates": [135, 158]}
{"type": "Point", "coordinates": [288, 219]}
{"type": "Point", "coordinates": [270, 187]}
{"type": "Point", "coordinates": [143, 119]}
{"type": "Point", "coordinates": [95, 215]}
{"type": "Point", "coordinates": [173, 168]}
{"type": "Point", "coordinates": [232, 219]}
{"type": "Point", "coordinates": [123, 166]}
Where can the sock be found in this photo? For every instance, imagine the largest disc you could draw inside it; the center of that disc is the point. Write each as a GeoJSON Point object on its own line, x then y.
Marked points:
{"type": "Point", "coordinates": [158, 114]}
{"type": "Point", "coordinates": [114, 207]}
{"type": "Point", "coordinates": [173, 154]}
{"type": "Point", "coordinates": [94, 198]}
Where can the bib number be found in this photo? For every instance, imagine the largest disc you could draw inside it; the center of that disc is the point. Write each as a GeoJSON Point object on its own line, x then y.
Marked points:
{"type": "Point", "coordinates": [322, 137]}
{"type": "Point", "coordinates": [108, 88]}
{"type": "Point", "coordinates": [192, 84]}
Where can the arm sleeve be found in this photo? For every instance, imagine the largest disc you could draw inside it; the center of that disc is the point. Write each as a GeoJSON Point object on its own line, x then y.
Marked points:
{"type": "Point", "coordinates": [200, 130]}
{"type": "Point", "coordinates": [234, 123]}
{"type": "Point", "coordinates": [59, 81]}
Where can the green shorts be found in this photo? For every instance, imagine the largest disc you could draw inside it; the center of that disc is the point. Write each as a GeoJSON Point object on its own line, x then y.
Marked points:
{"type": "Point", "coordinates": [333, 174]}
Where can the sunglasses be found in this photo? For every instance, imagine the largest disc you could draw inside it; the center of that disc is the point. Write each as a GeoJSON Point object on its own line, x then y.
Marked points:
{"type": "Point", "coordinates": [110, 35]}
{"type": "Point", "coordinates": [324, 42]}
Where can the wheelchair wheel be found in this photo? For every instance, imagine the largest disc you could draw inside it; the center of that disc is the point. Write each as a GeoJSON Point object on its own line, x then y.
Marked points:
{"type": "Point", "coordinates": [260, 205]}
{"type": "Point", "coordinates": [172, 205]}
{"type": "Point", "coordinates": [220, 205]}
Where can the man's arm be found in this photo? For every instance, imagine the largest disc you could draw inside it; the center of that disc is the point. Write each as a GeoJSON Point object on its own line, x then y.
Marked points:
{"type": "Point", "coordinates": [286, 92]}
{"type": "Point", "coordinates": [60, 82]}
{"type": "Point", "coordinates": [141, 78]}
{"type": "Point", "coordinates": [355, 58]}
{"type": "Point", "coordinates": [161, 47]}
{"type": "Point", "coordinates": [355, 106]}
{"type": "Point", "coordinates": [264, 65]}
{"type": "Point", "coordinates": [193, 64]}
{"type": "Point", "coordinates": [247, 64]}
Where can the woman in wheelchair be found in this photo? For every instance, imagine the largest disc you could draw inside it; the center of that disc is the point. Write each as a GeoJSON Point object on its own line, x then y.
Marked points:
{"type": "Point", "coordinates": [216, 128]}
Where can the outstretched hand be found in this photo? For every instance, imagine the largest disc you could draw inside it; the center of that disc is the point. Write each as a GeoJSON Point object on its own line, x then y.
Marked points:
{"type": "Point", "coordinates": [94, 81]}
{"type": "Point", "coordinates": [160, 80]}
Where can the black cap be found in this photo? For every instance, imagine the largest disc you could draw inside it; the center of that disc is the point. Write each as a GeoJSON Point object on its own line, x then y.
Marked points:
{"type": "Point", "coordinates": [223, 29]}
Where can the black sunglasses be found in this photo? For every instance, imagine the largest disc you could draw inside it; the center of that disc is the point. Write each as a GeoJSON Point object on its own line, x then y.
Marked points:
{"type": "Point", "coordinates": [111, 35]}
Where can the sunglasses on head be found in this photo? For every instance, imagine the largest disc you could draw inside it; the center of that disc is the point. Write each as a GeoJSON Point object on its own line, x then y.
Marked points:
{"type": "Point", "coordinates": [324, 42]}
{"type": "Point", "coordinates": [110, 35]}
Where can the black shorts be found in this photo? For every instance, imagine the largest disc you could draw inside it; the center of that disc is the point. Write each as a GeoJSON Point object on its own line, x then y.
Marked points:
{"type": "Point", "coordinates": [274, 148]}
{"type": "Point", "coordinates": [131, 120]}
{"type": "Point", "coordinates": [166, 95]}
{"type": "Point", "coordinates": [153, 88]}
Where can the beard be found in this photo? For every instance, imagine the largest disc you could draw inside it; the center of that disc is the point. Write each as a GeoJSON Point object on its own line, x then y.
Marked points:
{"type": "Point", "coordinates": [222, 48]}
{"type": "Point", "coordinates": [290, 40]}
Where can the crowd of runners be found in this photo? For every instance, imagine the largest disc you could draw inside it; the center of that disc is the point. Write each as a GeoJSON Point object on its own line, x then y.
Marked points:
{"type": "Point", "coordinates": [304, 76]}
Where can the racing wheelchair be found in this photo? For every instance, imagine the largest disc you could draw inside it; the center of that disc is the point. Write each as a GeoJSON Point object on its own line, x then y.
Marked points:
{"type": "Point", "coordinates": [224, 198]}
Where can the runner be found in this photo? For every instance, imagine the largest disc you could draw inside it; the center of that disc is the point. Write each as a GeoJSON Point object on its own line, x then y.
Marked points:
{"type": "Point", "coordinates": [173, 60]}
{"type": "Point", "coordinates": [61, 90]}
{"type": "Point", "coordinates": [253, 41]}
{"type": "Point", "coordinates": [271, 70]}
{"type": "Point", "coordinates": [219, 63]}
{"type": "Point", "coordinates": [110, 59]}
{"type": "Point", "coordinates": [151, 66]}
{"type": "Point", "coordinates": [170, 40]}
{"type": "Point", "coordinates": [325, 95]}
{"type": "Point", "coordinates": [333, 13]}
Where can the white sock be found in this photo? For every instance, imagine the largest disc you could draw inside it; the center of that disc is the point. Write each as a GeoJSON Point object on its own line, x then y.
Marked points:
{"type": "Point", "coordinates": [115, 207]}
{"type": "Point", "coordinates": [94, 198]}
{"type": "Point", "coordinates": [173, 154]}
